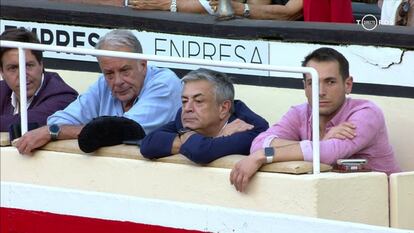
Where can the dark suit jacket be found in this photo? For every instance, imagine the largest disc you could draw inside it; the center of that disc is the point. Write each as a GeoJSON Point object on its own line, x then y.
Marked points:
{"type": "Point", "coordinates": [201, 149]}
{"type": "Point", "coordinates": [54, 95]}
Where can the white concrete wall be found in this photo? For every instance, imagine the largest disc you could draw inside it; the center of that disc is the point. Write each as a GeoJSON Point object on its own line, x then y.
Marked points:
{"type": "Point", "coordinates": [153, 212]}
{"type": "Point", "coordinates": [80, 81]}
{"type": "Point", "coordinates": [361, 198]}
{"type": "Point", "coordinates": [402, 200]}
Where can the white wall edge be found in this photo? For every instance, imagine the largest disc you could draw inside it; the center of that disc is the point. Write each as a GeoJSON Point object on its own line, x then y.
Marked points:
{"type": "Point", "coordinates": [167, 213]}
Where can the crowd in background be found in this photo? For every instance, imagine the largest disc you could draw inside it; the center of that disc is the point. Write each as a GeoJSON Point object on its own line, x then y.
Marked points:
{"type": "Point", "coordinates": [393, 12]}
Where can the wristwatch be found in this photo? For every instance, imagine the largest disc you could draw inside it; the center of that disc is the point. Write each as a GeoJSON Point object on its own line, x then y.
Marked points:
{"type": "Point", "coordinates": [246, 12]}
{"type": "Point", "coordinates": [269, 153]}
{"type": "Point", "coordinates": [54, 131]}
{"type": "Point", "coordinates": [182, 131]}
{"type": "Point", "coordinates": [173, 6]}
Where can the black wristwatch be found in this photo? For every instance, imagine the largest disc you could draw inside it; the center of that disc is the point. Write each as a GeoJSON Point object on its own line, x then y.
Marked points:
{"type": "Point", "coordinates": [54, 131]}
{"type": "Point", "coordinates": [182, 131]}
{"type": "Point", "coordinates": [269, 153]}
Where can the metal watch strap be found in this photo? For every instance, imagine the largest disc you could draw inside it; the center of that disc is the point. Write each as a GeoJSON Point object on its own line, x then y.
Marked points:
{"type": "Point", "coordinates": [246, 12]}
{"type": "Point", "coordinates": [54, 131]}
{"type": "Point", "coordinates": [182, 131]}
{"type": "Point", "coordinates": [173, 6]}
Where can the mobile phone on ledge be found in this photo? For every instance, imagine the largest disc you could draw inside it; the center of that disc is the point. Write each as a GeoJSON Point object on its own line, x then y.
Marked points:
{"type": "Point", "coordinates": [351, 165]}
{"type": "Point", "coordinates": [351, 161]}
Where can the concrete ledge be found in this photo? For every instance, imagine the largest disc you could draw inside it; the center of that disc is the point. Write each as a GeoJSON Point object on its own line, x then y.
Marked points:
{"type": "Point", "coordinates": [402, 200]}
{"type": "Point", "coordinates": [132, 152]}
{"type": "Point", "coordinates": [358, 197]}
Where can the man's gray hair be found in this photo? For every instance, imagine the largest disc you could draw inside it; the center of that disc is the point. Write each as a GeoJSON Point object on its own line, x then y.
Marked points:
{"type": "Point", "coordinates": [120, 38]}
{"type": "Point", "coordinates": [223, 86]}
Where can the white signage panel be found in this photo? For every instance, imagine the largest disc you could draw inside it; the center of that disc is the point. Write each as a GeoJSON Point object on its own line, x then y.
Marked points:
{"type": "Point", "coordinates": [242, 51]}
{"type": "Point", "coordinates": [368, 64]}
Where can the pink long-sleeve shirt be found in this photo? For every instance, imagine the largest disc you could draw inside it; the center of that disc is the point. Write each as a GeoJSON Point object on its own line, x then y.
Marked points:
{"type": "Point", "coordinates": [371, 141]}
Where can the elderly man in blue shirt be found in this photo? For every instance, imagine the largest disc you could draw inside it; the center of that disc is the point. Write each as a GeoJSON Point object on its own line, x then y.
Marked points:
{"type": "Point", "coordinates": [210, 125]}
{"type": "Point", "coordinates": [128, 101]}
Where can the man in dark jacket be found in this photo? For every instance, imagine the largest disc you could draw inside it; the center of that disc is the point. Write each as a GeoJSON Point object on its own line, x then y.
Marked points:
{"type": "Point", "coordinates": [46, 91]}
{"type": "Point", "coordinates": [210, 124]}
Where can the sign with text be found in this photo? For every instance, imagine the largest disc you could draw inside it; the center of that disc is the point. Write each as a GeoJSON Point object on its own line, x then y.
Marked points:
{"type": "Point", "coordinates": [242, 51]}
{"type": "Point", "coordinates": [368, 64]}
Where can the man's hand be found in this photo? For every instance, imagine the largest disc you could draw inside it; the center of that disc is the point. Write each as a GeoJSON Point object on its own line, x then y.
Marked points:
{"type": "Point", "coordinates": [235, 127]}
{"type": "Point", "coordinates": [179, 140]}
{"type": "Point", "coordinates": [345, 130]}
{"type": "Point", "coordinates": [150, 4]}
{"type": "Point", "coordinates": [186, 136]}
{"type": "Point", "coordinates": [244, 170]}
{"type": "Point", "coordinates": [32, 139]}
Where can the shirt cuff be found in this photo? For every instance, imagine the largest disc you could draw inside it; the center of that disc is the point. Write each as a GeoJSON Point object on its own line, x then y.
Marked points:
{"type": "Point", "coordinates": [268, 140]}
{"type": "Point", "coordinates": [306, 147]}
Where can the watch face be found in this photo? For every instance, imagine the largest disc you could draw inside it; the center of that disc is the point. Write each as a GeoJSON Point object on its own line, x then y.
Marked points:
{"type": "Point", "coordinates": [269, 151]}
{"type": "Point", "coordinates": [54, 128]}
{"type": "Point", "coordinates": [183, 131]}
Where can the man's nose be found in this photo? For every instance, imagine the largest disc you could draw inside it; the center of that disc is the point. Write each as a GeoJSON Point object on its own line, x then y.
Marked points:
{"type": "Point", "coordinates": [322, 90]}
{"type": "Point", "coordinates": [188, 106]}
{"type": "Point", "coordinates": [118, 79]}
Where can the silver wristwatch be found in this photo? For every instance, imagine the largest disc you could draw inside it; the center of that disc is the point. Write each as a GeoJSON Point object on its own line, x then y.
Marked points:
{"type": "Point", "coordinates": [246, 12]}
{"type": "Point", "coordinates": [54, 131]}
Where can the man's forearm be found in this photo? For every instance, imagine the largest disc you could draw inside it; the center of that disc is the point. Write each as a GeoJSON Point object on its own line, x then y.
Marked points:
{"type": "Point", "coordinates": [69, 131]}
{"type": "Point", "coordinates": [191, 6]}
{"type": "Point", "coordinates": [262, 2]}
{"type": "Point", "coordinates": [291, 11]}
{"type": "Point", "coordinates": [286, 150]}
{"type": "Point", "coordinates": [278, 142]}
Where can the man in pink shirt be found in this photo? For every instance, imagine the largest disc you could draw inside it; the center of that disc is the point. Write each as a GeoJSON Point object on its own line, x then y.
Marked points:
{"type": "Point", "coordinates": [349, 128]}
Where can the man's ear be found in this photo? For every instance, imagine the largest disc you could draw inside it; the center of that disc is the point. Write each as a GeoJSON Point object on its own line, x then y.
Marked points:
{"type": "Point", "coordinates": [348, 84]}
{"type": "Point", "coordinates": [225, 109]}
{"type": "Point", "coordinates": [142, 64]}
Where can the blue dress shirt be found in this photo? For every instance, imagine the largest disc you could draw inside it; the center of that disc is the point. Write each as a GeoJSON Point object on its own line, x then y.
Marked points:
{"type": "Point", "coordinates": [157, 103]}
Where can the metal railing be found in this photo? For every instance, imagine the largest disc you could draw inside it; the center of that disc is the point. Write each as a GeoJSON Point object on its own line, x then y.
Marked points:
{"type": "Point", "coordinates": [190, 61]}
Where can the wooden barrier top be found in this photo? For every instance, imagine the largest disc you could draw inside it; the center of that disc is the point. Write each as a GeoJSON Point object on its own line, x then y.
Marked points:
{"type": "Point", "coordinates": [132, 152]}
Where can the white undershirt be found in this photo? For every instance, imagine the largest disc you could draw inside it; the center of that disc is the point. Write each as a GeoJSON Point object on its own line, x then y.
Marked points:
{"type": "Point", "coordinates": [16, 104]}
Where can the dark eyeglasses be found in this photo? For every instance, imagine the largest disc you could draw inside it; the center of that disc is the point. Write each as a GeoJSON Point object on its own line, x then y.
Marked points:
{"type": "Point", "coordinates": [403, 13]}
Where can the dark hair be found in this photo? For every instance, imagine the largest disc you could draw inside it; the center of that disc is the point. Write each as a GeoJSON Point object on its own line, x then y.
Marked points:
{"type": "Point", "coordinates": [325, 54]}
{"type": "Point", "coordinates": [223, 86]}
{"type": "Point", "coordinates": [22, 35]}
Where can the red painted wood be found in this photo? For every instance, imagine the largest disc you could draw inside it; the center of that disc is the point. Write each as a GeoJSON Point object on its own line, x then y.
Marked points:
{"type": "Point", "coordinates": [27, 221]}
